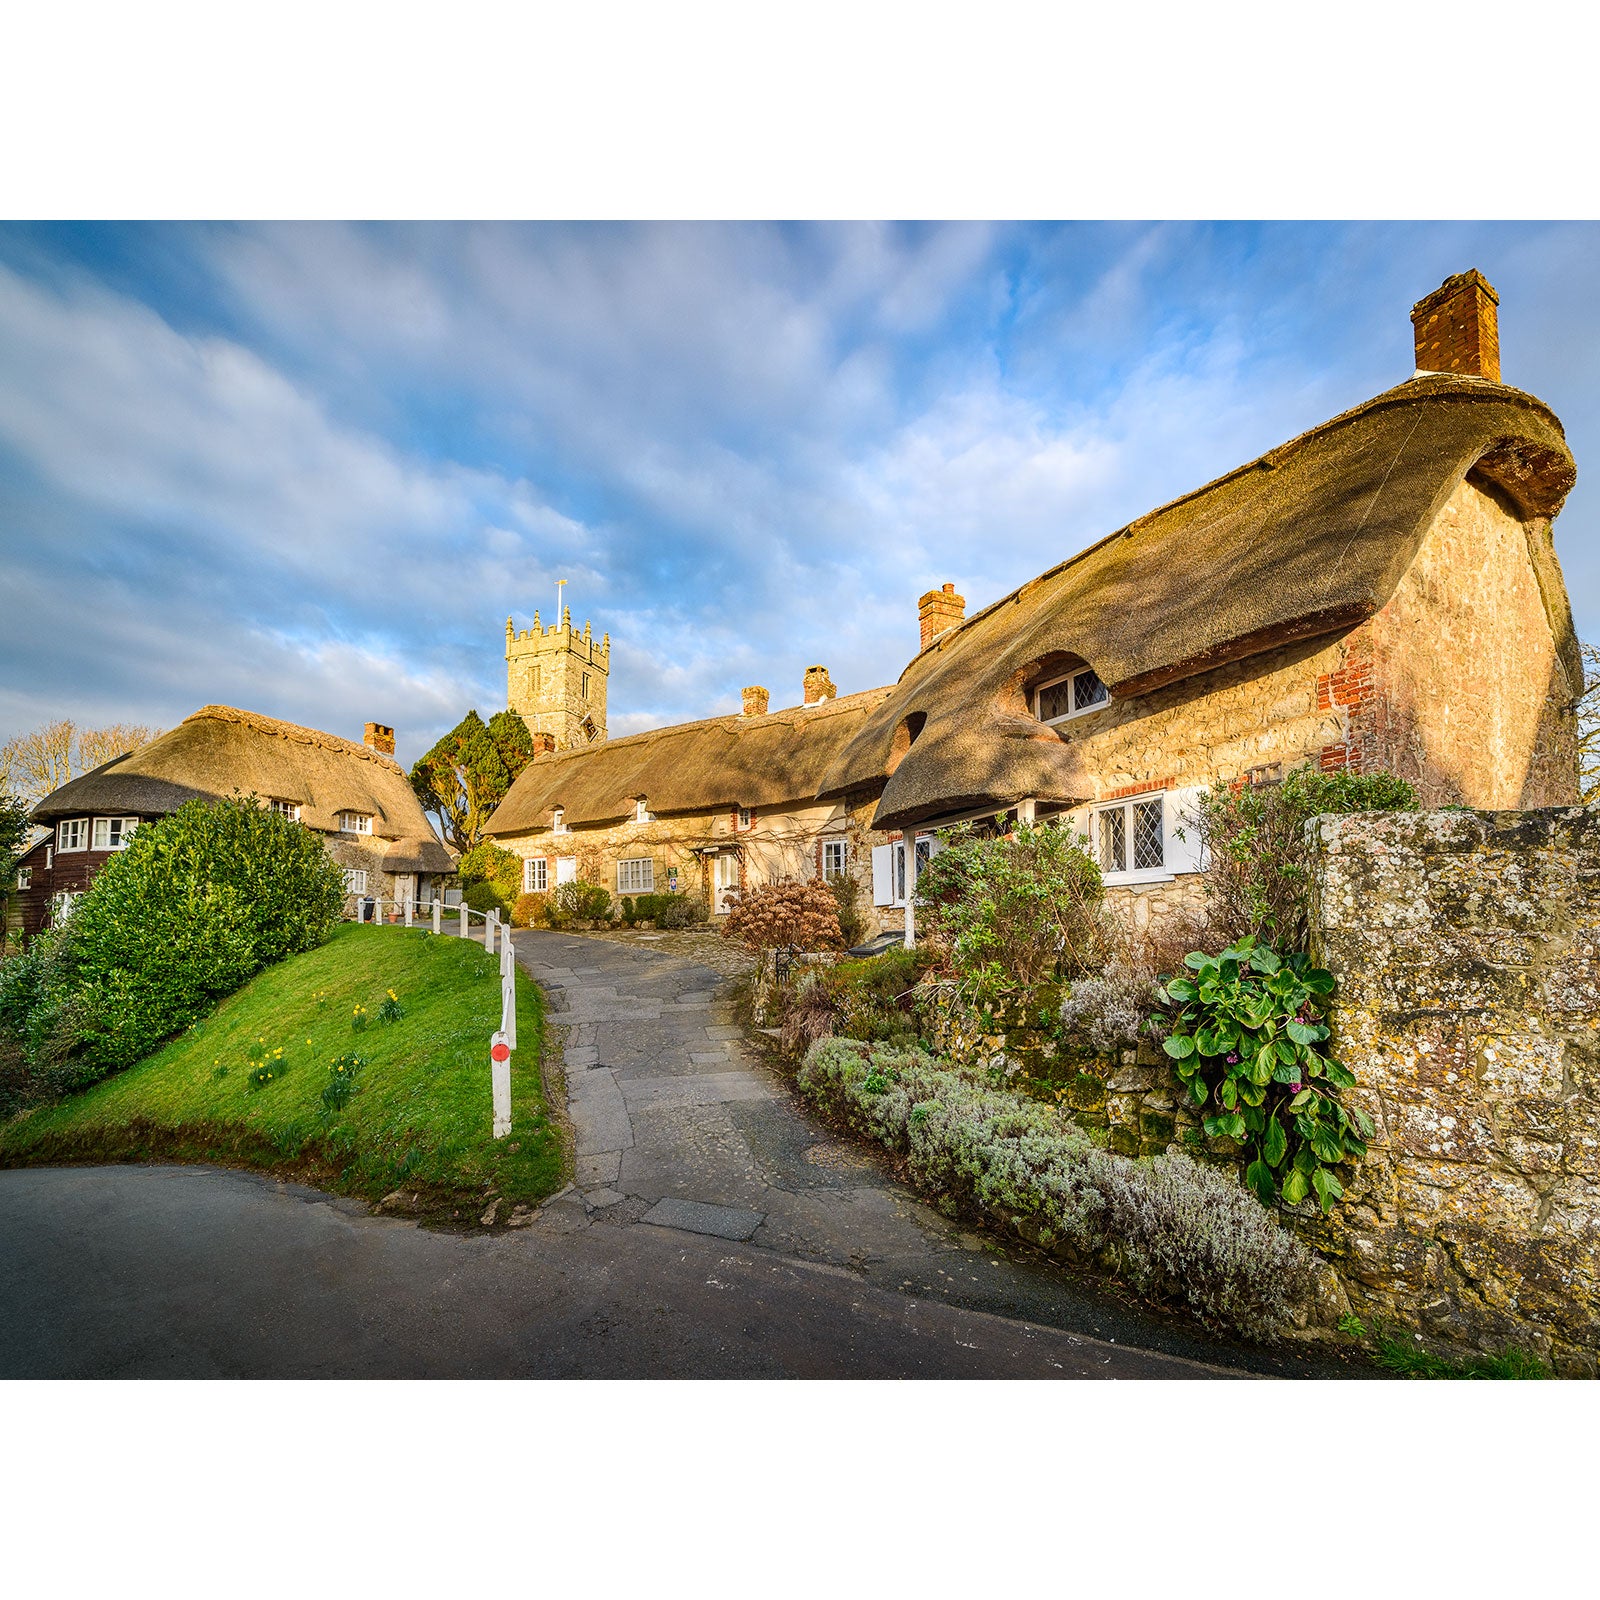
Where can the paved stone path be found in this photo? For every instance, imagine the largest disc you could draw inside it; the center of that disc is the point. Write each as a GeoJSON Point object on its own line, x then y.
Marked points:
{"type": "Point", "coordinates": [679, 1126]}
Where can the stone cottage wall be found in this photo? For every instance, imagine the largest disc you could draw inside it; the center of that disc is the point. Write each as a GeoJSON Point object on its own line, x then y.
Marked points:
{"type": "Point", "coordinates": [1467, 949]}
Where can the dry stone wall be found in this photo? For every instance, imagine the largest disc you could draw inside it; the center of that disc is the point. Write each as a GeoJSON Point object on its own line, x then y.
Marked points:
{"type": "Point", "coordinates": [1467, 949]}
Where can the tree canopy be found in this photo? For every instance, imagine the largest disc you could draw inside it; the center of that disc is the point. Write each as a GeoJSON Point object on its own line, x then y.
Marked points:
{"type": "Point", "coordinates": [467, 773]}
{"type": "Point", "coordinates": [37, 763]}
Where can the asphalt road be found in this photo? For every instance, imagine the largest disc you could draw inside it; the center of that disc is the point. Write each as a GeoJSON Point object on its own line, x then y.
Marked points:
{"type": "Point", "coordinates": [191, 1272]}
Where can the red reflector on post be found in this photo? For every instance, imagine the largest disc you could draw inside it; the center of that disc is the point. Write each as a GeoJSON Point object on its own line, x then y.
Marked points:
{"type": "Point", "coordinates": [500, 1052]}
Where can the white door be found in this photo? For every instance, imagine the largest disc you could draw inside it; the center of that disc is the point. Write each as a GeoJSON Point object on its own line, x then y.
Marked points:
{"type": "Point", "coordinates": [566, 869]}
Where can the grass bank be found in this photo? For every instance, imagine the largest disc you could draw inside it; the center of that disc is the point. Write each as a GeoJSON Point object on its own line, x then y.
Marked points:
{"type": "Point", "coordinates": [418, 1117]}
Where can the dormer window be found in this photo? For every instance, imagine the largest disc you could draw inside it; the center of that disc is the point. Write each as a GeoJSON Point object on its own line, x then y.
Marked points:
{"type": "Point", "coordinates": [355, 822]}
{"type": "Point", "coordinates": [742, 819]}
{"type": "Point", "coordinates": [287, 808]}
{"type": "Point", "coordinates": [1070, 696]}
{"type": "Point", "coordinates": [558, 821]}
{"type": "Point", "coordinates": [641, 812]}
{"type": "Point", "coordinates": [73, 835]}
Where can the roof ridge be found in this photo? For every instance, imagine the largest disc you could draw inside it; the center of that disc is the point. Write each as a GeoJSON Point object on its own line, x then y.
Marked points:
{"type": "Point", "coordinates": [292, 731]}
{"type": "Point", "coordinates": [1463, 387]}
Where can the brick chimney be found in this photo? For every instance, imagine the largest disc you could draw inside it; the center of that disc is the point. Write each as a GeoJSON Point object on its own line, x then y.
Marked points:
{"type": "Point", "coordinates": [819, 686]}
{"type": "Point", "coordinates": [379, 738]}
{"type": "Point", "coordinates": [1458, 327]}
{"type": "Point", "coordinates": [939, 609]}
{"type": "Point", "coordinates": [755, 701]}
{"type": "Point", "coordinates": [543, 743]}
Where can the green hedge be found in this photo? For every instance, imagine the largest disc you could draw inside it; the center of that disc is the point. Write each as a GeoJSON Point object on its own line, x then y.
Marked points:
{"type": "Point", "coordinates": [1174, 1229]}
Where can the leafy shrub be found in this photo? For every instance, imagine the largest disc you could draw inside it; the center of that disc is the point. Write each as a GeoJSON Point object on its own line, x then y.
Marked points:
{"type": "Point", "coordinates": [491, 864]}
{"type": "Point", "coordinates": [483, 896]}
{"type": "Point", "coordinates": [1247, 1040]}
{"type": "Point", "coordinates": [1175, 1229]}
{"type": "Point", "coordinates": [389, 1008]}
{"type": "Point", "coordinates": [804, 915]}
{"type": "Point", "coordinates": [1110, 1010]}
{"type": "Point", "coordinates": [582, 900]}
{"type": "Point", "coordinates": [194, 906]}
{"type": "Point", "coordinates": [1020, 909]}
{"type": "Point", "coordinates": [870, 999]}
{"type": "Point", "coordinates": [852, 925]}
{"type": "Point", "coordinates": [681, 911]}
{"type": "Point", "coordinates": [530, 910]}
{"type": "Point", "coordinates": [1258, 861]}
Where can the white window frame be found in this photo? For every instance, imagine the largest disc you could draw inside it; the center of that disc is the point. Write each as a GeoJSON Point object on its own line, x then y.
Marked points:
{"type": "Point", "coordinates": [744, 819]}
{"type": "Point", "coordinates": [636, 875]}
{"type": "Point", "coordinates": [536, 875]}
{"type": "Point", "coordinates": [61, 904]}
{"type": "Point", "coordinates": [1070, 678]}
{"type": "Point", "coordinates": [927, 848]}
{"type": "Point", "coordinates": [79, 834]}
{"type": "Point", "coordinates": [641, 812]}
{"type": "Point", "coordinates": [355, 880]}
{"type": "Point", "coordinates": [358, 822]}
{"type": "Point", "coordinates": [838, 850]}
{"type": "Point", "coordinates": [288, 808]}
{"type": "Point", "coordinates": [726, 878]}
{"type": "Point", "coordinates": [1113, 875]}
{"type": "Point", "coordinates": [24, 877]}
{"type": "Point", "coordinates": [558, 821]}
{"type": "Point", "coordinates": [100, 838]}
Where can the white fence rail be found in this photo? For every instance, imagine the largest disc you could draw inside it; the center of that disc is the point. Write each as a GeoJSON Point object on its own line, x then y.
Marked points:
{"type": "Point", "coordinates": [496, 935]}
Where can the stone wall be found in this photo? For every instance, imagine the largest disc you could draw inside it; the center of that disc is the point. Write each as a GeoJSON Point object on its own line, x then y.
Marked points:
{"type": "Point", "coordinates": [1467, 949]}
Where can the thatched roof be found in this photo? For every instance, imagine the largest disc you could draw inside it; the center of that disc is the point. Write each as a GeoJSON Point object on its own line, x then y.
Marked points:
{"type": "Point", "coordinates": [1309, 540]}
{"type": "Point", "coordinates": [776, 759]}
{"type": "Point", "coordinates": [220, 750]}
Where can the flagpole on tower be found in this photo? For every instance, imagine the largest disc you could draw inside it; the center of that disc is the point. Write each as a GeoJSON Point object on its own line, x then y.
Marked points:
{"type": "Point", "coordinates": [561, 584]}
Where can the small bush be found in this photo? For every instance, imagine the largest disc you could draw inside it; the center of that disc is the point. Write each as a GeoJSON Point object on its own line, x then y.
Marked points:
{"type": "Point", "coordinates": [486, 897]}
{"type": "Point", "coordinates": [1109, 1011]}
{"type": "Point", "coordinates": [1176, 1230]}
{"type": "Point", "coordinates": [680, 911]}
{"type": "Point", "coordinates": [582, 901]}
{"type": "Point", "coordinates": [852, 925]}
{"type": "Point", "coordinates": [530, 910]}
{"type": "Point", "coordinates": [495, 865]}
{"type": "Point", "coordinates": [1024, 909]}
{"type": "Point", "coordinates": [1257, 870]}
{"type": "Point", "coordinates": [804, 915]}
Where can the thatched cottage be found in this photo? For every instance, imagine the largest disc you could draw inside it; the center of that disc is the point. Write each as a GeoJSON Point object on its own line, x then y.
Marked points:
{"type": "Point", "coordinates": [1380, 592]}
{"type": "Point", "coordinates": [355, 795]}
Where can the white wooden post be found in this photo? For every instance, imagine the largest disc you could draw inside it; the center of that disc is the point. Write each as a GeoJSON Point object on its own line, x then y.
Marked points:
{"type": "Point", "coordinates": [437, 906]}
{"type": "Point", "coordinates": [500, 1081]}
{"type": "Point", "coordinates": [491, 929]}
{"type": "Point", "coordinates": [911, 890]}
{"type": "Point", "coordinates": [466, 930]}
{"type": "Point", "coordinates": [407, 904]}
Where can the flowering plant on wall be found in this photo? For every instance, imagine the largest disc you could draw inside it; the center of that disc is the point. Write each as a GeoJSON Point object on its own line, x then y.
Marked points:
{"type": "Point", "coordinates": [1247, 1039]}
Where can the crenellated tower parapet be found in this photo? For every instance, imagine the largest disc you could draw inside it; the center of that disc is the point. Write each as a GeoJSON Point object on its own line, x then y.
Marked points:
{"type": "Point", "coordinates": [556, 679]}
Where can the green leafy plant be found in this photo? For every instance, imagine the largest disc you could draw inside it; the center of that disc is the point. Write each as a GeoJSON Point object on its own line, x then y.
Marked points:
{"type": "Point", "coordinates": [1257, 875]}
{"type": "Point", "coordinates": [389, 1008]}
{"type": "Point", "coordinates": [358, 1017]}
{"type": "Point", "coordinates": [582, 900]}
{"type": "Point", "coordinates": [1247, 1041]}
{"type": "Point", "coordinates": [1019, 909]}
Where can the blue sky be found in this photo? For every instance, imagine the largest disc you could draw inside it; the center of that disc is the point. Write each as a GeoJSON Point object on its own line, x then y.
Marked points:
{"type": "Point", "coordinates": [310, 469]}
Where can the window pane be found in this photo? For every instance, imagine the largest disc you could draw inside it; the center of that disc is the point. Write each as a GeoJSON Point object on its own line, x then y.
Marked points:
{"type": "Point", "coordinates": [102, 833]}
{"type": "Point", "coordinates": [1147, 851]}
{"type": "Point", "coordinates": [1112, 841]}
{"type": "Point", "coordinates": [1087, 690]}
{"type": "Point", "coordinates": [1055, 701]}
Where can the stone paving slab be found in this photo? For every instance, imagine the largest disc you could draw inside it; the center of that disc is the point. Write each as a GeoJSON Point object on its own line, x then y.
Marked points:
{"type": "Point", "coordinates": [700, 1090]}
{"type": "Point", "coordinates": [599, 1170]}
{"type": "Point", "coordinates": [693, 1216]}
{"type": "Point", "coordinates": [723, 1031]}
{"type": "Point", "coordinates": [599, 1113]}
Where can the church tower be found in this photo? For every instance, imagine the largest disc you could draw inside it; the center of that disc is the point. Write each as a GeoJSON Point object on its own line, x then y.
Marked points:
{"type": "Point", "coordinates": [556, 680]}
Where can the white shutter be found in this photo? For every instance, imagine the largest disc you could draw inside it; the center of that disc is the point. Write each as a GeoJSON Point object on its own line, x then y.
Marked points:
{"type": "Point", "coordinates": [883, 874]}
{"type": "Point", "coordinates": [1183, 854]}
{"type": "Point", "coordinates": [566, 869]}
{"type": "Point", "coordinates": [1079, 820]}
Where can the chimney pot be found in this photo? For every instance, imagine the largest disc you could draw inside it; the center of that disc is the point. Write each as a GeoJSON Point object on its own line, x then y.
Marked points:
{"type": "Point", "coordinates": [380, 738]}
{"type": "Point", "coordinates": [818, 685]}
{"type": "Point", "coordinates": [755, 701]}
{"type": "Point", "coordinates": [1458, 327]}
{"type": "Point", "coordinates": [939, 609]}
